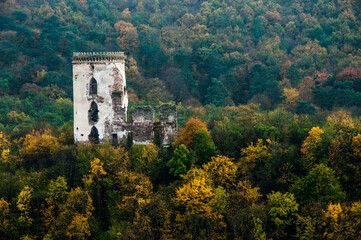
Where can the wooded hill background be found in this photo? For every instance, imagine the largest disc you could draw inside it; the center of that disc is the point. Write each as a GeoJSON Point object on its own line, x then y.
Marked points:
{"type": "Point", "coordinates": [268, 97]}
{"type": "Point", "coordinates": [297, 53]}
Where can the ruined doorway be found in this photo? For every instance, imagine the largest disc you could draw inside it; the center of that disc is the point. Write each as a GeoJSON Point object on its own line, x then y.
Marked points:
{"type": "Point", "coordinates": [93, 112]}
{"type": "Point", "coordinates": [94, 135]}
{"type": "Point", "coordinates": [93, 87]}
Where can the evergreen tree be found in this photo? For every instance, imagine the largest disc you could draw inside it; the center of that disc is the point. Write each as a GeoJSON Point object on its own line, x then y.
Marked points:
{"type": "Point", "coordinates": [304, 107]}
{"type": "Point", "coordinates": [216, 93]}
{"type": "Point", "coordinates": [263, 81]}
{"type": "Point", "coordinates": [204, 147]}
{"type": "Point", "coordinates": [258, 28]}
{"type": "Point", "coordinates": [294, 75]}
{"type": "Point", "coordinates": [180, 162]}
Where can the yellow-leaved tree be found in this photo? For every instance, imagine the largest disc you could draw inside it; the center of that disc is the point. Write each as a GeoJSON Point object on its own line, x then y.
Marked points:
{"type": "Point", "coordinates": [245, 213]}
{"type": "Point", "coordinates": [76, 212]}
{"type": "Point", "coordinates": [5, 154]}
{"type": "Point", "coordinates": [203, 205]}
{"type": "Point", "coordinates": [96, 172]}
{"type": "Point", "coordinates": [24, 207]}
{"type": "Point", "coordinates": [222, 171]}
{"type": "Point", "coordinates": [115, 159]}
{"type": "Point", "coordinates": [66, 214]}
{"type": "Point", "coordinates": [145, 157]}
{"type": "Point", "coordinates": [39, 148]}
{"type": "Point", "coordinates": [341, 221]}
{"type": "Point", "coordinates": [256, 153]}
{"type": "Point", "coordinates": [135, 192]}
{"type": "Point", "coordinates": [6, 225]}
{"type": "Point", "coordinates": [356, 145]}
{"type": "Point", "coordinates": [292, 97]}
{"type": "Point", "coordinates": [311, 147]}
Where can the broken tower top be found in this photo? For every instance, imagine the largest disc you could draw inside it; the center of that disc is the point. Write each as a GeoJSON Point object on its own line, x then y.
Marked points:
{"type": "Point", "coordinates": [97, 56]}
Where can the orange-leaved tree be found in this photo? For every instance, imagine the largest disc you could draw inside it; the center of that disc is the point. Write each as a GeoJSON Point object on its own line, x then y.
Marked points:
{"type": "Point", "coordinates": [186, 136]}
{"type": "Point", "coordinates": [128, 36]}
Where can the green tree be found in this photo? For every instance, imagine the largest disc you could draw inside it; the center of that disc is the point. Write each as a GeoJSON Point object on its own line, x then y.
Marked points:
{"type": "Point", "coordinates": [258, 28]}
{"type": "Point", "coordinates": [227, 137]}
{"type": "Point", "coordinates": [283, 213]}
{"type": "Point", "coordinates": [8, 52]}
{"type": "Point", "coordinates": [19, 15]}
{"type": "Point", "coordinates": [180, 162]}
{"type": "Point", "coordinates": [216, 93]}
{"type": "Point", "coordinates": [294, 75]}
{"type": "Point", "coordinates": [304, 107]}
{"type": "Point", "coordinates": [263, 81]}
{"type": "Point", "coordinates": [204, 147]}
{"type": "Point", "coordinates": [145, 158]}
{"type": "Point", "coordinates": [319, 185]}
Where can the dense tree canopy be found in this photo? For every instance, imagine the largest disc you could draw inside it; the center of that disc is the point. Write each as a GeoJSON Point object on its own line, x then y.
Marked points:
{"type": "Point", "coordinates": [268, 97]}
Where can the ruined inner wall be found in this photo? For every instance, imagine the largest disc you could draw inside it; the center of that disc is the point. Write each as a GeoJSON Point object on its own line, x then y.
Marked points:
{"type": "Point", "coordinates": [111, 95]}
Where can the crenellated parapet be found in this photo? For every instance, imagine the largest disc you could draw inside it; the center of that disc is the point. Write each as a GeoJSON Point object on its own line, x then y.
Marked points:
{"type": "Point", "coordinates": [81, 57]}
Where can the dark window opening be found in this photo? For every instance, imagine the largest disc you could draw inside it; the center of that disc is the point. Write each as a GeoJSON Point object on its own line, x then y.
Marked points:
{"type": "Point", "coordinates": [93, 87]}
{"type": "Point", "coordinates": [94, 135]}
{"type": "Point", "coordinates": [115, 139]}
{"type": "Point", "coordinates": [129, 140]}
{"type": "Point", "coordinates": [157, 137]}
{"type": "Point", "coordinates": [93, 112]}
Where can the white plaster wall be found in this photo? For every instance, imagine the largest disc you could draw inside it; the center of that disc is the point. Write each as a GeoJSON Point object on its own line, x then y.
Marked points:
{"type": "Point", "coordinates": [105, 73]}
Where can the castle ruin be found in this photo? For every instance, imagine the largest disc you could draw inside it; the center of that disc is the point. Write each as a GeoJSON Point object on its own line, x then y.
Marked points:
{"type": "Point", "coordinates": [101, 103]}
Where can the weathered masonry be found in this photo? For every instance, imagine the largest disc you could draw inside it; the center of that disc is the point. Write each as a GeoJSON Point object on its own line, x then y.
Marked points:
{"type": "Point", "coordinates": [101, 102]}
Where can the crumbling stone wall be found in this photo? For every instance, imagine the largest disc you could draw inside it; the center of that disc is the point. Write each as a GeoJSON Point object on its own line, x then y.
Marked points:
{"type": "Point", "coordinates": [142, 127]}
{"type": "Point", "coordinates": [144, 130]}
{"type": "Point", "coordinates": [168, 123]}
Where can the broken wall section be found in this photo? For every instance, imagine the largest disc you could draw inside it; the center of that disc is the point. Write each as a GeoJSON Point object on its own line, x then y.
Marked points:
{"type": "Point", "coordinates": [167, 123]}
{"type": "Point", "coordinates": [143, 124]}
{"type": "Point", "coordinates": [144, 130]}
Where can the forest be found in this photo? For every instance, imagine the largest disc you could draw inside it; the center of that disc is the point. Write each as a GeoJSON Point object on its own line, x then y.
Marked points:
{"type": "Point", "coordinates": [268, 95]}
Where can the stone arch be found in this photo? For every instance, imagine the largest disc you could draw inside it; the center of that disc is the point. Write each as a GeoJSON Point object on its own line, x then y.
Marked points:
{"type": "Point", "coordinates": [93, 86]}
{"type": "Point", "coordinates": [93, 112]}
{"type": "Point", "coordinates": [94, 135]}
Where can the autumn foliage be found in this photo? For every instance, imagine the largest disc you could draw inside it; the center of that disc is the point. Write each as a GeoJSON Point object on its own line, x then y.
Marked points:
{"type": "Point", "coordinates": [187, 134]}
{"type": "Point", "coordinates": [268, 98]}
{"type": "Point", "coordinates": [349, 74]}
{"type": "Point", "coordinates": [128, 36]}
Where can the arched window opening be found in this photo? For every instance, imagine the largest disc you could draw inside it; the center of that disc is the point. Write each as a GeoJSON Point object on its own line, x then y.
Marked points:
{"type": "Point", "coordinates": [94, 135]}
{"type": "Point", "coordinates": [93, 87]}
{"type": "Point", "coordinates": [93, 112]}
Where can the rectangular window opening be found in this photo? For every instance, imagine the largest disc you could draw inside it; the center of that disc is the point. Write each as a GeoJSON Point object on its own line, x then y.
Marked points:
{"type": "Point", "coordinates": [115, 139]}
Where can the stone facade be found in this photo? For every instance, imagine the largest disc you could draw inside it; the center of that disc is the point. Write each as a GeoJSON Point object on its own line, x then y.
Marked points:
{"type": "Point", "coordinates": [101, 103]}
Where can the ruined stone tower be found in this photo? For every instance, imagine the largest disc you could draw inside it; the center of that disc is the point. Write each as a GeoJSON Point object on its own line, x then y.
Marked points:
{"type": "Point", "coordinates": [100, 96]}
{"type": "Point", "coordinates": [101, 102]}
